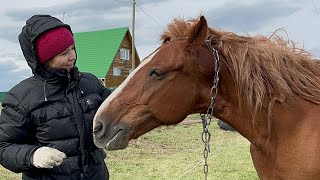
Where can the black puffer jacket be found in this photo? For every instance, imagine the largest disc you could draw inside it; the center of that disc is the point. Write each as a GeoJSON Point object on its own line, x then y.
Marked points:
{"type": "Point", "coordinates": [55, 109]}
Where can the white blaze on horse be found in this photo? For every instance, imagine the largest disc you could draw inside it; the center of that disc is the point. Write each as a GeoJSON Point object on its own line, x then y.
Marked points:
{"type": "Point", "coordinates": [268, 90]}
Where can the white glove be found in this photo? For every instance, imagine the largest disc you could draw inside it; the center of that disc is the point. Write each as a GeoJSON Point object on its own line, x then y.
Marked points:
{"type": "Point", "coordinates": [47, 157]}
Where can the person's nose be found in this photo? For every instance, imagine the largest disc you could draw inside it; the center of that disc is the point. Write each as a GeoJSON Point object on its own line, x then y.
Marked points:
{"type": "Point", "coordinates": [72, 55]}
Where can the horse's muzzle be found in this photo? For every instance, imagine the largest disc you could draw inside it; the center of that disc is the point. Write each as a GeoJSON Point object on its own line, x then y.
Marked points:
{"type": "Point", "coordinates": [111, 138]}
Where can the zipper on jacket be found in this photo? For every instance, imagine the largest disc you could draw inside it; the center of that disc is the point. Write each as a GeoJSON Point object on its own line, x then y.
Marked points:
{"type": "Point", "coordinates": [44, 91]}
{"type": "Point", "coordinates": [69, 80]}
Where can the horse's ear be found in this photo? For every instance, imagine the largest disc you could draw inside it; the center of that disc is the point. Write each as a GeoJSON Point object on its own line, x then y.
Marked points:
{"type": "Point", "coordinates": [198, 32]}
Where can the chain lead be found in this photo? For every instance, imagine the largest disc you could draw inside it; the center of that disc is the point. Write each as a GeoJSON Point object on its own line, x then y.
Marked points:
{"type": "Point", "coordinates": [206, 118]}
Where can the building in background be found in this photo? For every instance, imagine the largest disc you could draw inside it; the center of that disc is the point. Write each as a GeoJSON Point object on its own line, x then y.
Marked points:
{"type": "Point", "coordinates": [107, 54]}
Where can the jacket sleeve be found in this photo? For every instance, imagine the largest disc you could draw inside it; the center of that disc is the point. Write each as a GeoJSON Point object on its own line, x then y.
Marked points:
{"type": "Point", "coordinates": [103, 91]}
{"type": "Point", "coordinates": [15, 152]}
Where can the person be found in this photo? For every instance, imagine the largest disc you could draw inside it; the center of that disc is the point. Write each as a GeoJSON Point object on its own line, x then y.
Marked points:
{"type": "Point", "coordinates": [46, 120]}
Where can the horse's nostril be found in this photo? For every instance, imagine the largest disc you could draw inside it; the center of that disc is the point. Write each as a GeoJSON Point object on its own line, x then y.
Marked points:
{"type": "Point", "coordinates": [98, 127]}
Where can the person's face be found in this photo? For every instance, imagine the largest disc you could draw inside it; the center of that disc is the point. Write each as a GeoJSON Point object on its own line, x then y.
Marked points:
{"type": "Point", "coordinates": [64, 60]}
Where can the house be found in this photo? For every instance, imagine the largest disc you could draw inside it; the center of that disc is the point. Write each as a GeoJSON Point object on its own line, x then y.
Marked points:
{"type": "Point", "coordinates": [107, 54]}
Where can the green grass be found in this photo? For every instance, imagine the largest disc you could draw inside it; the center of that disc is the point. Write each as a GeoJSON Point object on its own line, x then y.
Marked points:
{"type": "Point", "coordinates": [176, 152]}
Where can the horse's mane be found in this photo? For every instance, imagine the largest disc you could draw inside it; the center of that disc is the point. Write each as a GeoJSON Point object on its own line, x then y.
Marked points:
{"type": "Point", "coordinates": [265, 69]}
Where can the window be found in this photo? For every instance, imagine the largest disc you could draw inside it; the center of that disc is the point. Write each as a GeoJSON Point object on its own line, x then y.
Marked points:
{"type": "Point", "coordinates": [124, 54]}
{"type": "Point", "coordinates": [116, 71]}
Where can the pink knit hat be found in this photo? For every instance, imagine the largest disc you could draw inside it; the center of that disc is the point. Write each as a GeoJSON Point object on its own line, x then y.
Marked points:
{"type": "Point", "coordinates": [53, 42]}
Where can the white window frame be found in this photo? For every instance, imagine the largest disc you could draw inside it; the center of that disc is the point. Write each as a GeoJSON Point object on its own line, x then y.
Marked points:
{"type": "Point", "coordinates": [116, 71]}
{"type": "Point", "coordinates": [124, 54]}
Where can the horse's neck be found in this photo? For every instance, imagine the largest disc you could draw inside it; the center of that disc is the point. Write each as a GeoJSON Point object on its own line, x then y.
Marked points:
{"type": "Point", "coordinates": [238, 113]}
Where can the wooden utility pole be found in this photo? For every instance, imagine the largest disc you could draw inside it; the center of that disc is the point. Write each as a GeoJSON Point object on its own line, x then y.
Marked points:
{"type": "Point", "coordinates": [63, 16]}
{"type": "Point", "coordinates": [133, 46]}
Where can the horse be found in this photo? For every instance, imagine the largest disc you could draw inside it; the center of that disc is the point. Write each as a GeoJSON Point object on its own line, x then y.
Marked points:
{"type": "Point", "coordinates": [266, 88]}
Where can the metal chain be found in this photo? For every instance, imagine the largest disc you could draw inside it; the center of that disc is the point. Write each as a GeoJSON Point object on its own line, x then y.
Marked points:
{"type": "Point", "coordinates": [206, 118]}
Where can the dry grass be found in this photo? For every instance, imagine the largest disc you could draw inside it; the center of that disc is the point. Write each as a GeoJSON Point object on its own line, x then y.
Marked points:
{"type": "Point", "coordinates": [176, 152]}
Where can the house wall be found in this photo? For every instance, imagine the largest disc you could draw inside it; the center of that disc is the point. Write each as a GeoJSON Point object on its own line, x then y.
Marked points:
{"type": "Point", "coordinates": [112, 81]}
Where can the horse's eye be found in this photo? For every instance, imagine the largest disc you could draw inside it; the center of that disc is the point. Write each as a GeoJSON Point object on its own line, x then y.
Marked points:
{"type": "Point", "coordinates": [157, 73]}
{"type": "Point", "coordinates": [166, 40]}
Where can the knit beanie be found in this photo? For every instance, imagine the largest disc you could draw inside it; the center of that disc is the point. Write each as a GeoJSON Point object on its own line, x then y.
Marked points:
{"type": "Point", "coordinates": [53, 42]}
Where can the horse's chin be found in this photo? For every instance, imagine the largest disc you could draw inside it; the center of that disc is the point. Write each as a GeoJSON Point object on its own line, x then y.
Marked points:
{"type": "Point", "coordinates": [117, 142]}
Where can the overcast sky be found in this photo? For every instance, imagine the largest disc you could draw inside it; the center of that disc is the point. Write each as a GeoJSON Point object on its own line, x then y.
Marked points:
{"type": "Point", "coordinates": [300, 19]}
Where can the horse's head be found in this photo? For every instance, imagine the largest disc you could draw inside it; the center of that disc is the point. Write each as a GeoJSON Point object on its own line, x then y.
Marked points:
{"type": "Point", "coordinates": [168, 85]}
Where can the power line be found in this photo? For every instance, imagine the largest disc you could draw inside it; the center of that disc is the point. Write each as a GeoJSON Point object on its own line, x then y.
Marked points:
{"type": "Point", "coordinates": [149, 16]}
{"type": "Point", "coordinates": [141, 10]}
{"type": "Point", "coordinates": [122, 1]}
{"type": "Point", "coordinates": [314, 4]}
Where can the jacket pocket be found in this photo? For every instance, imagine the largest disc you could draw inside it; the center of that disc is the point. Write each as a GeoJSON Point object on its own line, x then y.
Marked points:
{"type": "Point", "coordinates": [69, 166]}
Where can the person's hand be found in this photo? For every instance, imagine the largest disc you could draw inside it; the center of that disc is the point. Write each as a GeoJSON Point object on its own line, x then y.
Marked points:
{"type": "Point", "coordinates": [47, 157]}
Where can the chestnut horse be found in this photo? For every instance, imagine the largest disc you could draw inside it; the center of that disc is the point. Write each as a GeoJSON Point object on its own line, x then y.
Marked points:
{"type": "Point", "coordinates": [268, 90]}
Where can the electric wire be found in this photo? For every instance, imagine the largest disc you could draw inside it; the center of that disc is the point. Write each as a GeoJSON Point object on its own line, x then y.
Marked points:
{"type": "Point", "coordinates": [150, 16]}
{"type": "Point", "coordinates": [315, 7]}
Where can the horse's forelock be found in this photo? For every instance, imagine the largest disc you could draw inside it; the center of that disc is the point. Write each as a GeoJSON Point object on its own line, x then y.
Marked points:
{"type": "Point", "coordinates": [178, 29]}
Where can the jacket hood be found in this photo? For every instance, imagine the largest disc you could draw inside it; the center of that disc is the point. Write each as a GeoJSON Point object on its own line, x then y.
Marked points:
{"type": "Point", "coordinates": [35, 26]}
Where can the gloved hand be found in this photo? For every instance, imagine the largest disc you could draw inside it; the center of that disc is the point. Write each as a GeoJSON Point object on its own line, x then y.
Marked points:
{"type": "Point", "coordinates": [47, 157]}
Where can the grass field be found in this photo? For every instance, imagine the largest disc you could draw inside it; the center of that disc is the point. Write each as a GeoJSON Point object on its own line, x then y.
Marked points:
{"type": "Point", "coordinates": [176, 152]}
